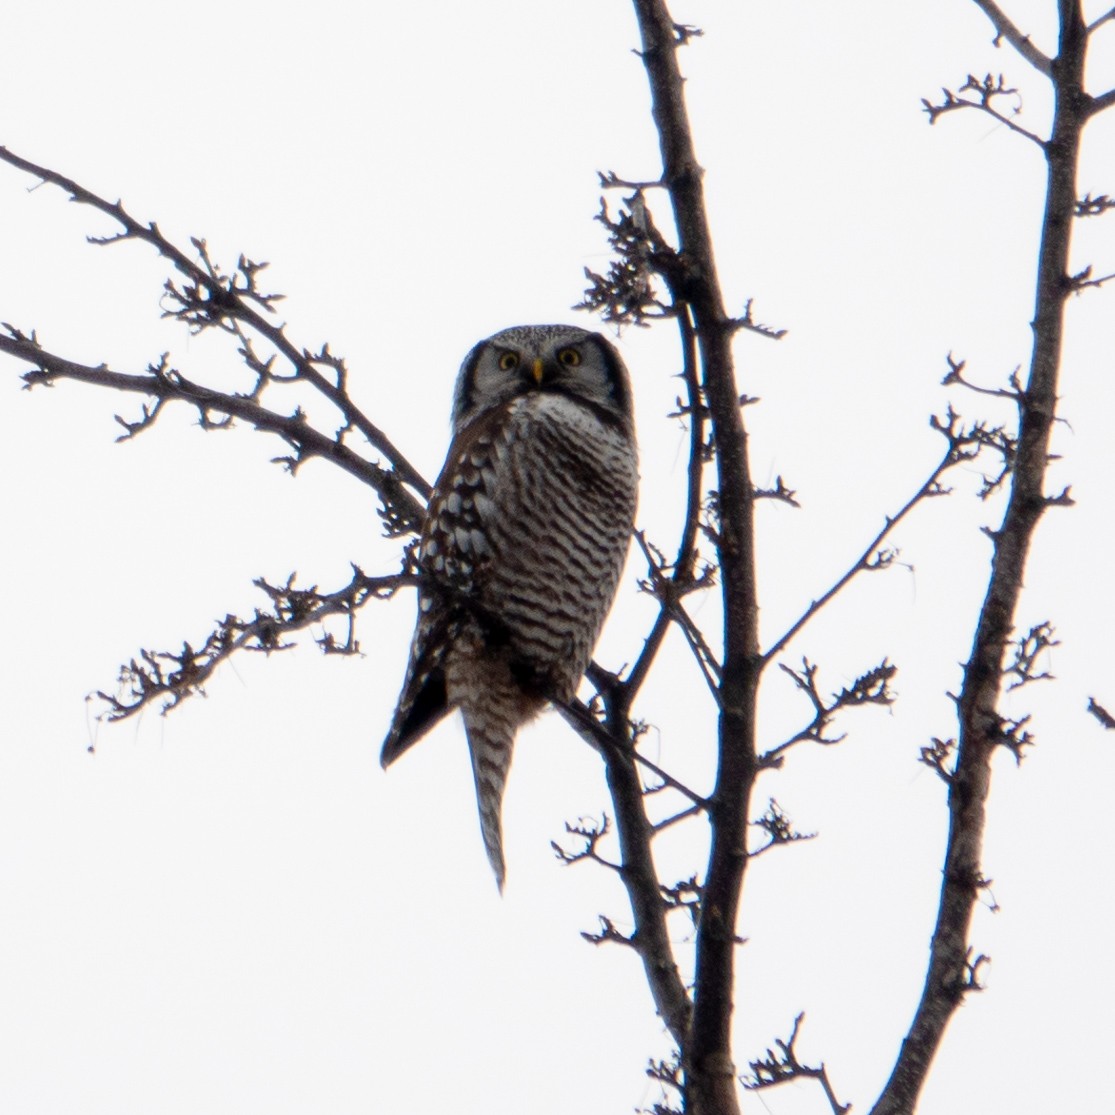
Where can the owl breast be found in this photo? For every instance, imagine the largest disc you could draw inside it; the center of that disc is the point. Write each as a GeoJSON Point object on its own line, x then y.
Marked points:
{"type": "Point", "coordinates": [531, 531]}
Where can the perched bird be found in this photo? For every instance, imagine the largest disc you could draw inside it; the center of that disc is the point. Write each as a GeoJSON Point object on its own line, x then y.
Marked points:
{"type": "Point", "coordinates": [522, 546]}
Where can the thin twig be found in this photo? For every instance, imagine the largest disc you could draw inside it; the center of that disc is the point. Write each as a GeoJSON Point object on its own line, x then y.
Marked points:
{"type": "Point", "coordinates": [781, 1064]}
{"type": "Point", "coordinates": [171, 677]}
{"type": "Point", "coordinates": [639, 875]}
{"type": "Point", "coordinates": [987, 90]}
{"type": "Point", "coordinates": [871, 558]}
{"type": "Point", "coordinates": [580, 717]}
{"type": "Point", "coordinates": [684, 564]}
{"type": "Point", "coordinates": [1101, 714]}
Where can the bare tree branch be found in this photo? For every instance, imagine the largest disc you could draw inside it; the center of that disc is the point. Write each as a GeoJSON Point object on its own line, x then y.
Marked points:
{"type": "Point", "coordinates": [874, 556]}
{"type": "Point", "coordinates": [668, 1075]}
{"type": "Point", "coordinates": [710, 1085]}
{"type": "Point", "coordinates": [206, 298]}
{"type": "Point", "coordinates": [1083, 280]}
{"type": "Point", "coordinates": [1101, 102]}
{"type": "Point", "coordinates": [781, 1064]}
{"type": "Point", "coordinates": [779, 830]}
{"type": "Point", "coordinates": [587, 832]}
{"type": "Point", "coordinates": [951, 971]}
{"type": "Point", "coordinates": [747, 321]}
{"type": "Point", "coordinates": [638, 873]}
{"type": "Point", "coordinates": [870, 688]}
{"type": "Point", "coordinates": [163, 384]}
{"type": "Point", "coordinates": [1006, 29]}
{"type": "Point", "coordinates": [955, 375]}
{"type": "Point", "coordinates": [1099, 21]}
{"type": "Point", "coordinates": [939, 755]}
{"type": "Point", "coordinates": [671, 583]}
{"type": "Point", "coordinates": [1089, 206]}
{"type": "Point", "coordinates": [1027, 650]}
{"type": "Point", "coordinates": [1101, 714]}
{"type": "Point", "coordinates": [169, 677]}
{"type": "Point", "coordinates": [669, 593]}
{"type": "Point", "coordinates": [987, 91]}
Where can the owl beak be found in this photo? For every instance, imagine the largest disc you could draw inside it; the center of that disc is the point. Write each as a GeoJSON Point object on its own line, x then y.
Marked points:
{"type": "Point", "coordinates": [536, 371]}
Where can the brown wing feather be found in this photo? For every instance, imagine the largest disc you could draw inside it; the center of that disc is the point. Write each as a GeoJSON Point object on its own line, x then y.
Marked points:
{"type": "Point", "coordinates": [449, 573]}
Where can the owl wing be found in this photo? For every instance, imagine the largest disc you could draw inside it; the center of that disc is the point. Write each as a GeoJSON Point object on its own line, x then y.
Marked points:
{"type": "Point", "coordinates": [451, 557]}
{"type": "Point", "coordinates": [422, 702]}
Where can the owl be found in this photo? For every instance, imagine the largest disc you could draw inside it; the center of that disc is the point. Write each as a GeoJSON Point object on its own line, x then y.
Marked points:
{"type": "Point", "coordinates": [523, 543]}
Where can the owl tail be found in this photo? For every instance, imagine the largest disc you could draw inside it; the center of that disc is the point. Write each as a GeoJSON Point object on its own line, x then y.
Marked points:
{"type": "Point", "coordinates": [490, 742]}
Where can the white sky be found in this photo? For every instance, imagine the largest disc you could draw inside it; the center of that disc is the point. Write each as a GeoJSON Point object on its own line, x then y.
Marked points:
{"type": "Point", "coordinates": [234, 909]}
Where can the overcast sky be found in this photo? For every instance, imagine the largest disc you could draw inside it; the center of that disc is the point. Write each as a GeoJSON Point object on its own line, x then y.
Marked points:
{"type": "Point", "coordinates": [234, 909]}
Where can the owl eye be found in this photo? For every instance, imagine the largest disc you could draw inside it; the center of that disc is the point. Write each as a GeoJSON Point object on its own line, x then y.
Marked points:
{"type": "Point", "coordinates": [570, 357]}
{"type": "Point", "coordinates": [508, 362]}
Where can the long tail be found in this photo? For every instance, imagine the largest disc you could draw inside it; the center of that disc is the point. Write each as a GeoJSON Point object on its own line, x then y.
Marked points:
{"type": "Point", "coordinates": [491, 738]}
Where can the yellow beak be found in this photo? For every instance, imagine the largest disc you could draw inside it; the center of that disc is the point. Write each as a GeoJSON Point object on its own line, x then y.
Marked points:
{"type": "Point", "coordinates": [536, 371]}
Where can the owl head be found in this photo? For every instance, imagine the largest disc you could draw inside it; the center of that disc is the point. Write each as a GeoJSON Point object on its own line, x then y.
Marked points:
{"type": "Point", "coordinates": [561, 359]}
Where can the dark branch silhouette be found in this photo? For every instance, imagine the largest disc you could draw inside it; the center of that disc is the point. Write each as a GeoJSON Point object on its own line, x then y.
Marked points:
{"type": "Point", "coordinates": [1101, 714]}
{"type": "Point", "coordinates": [169, 677]}
{"type": "Point", "coordinates": [204, 297]}
{"type": "Point", "coordinates": [1005, 29]}
{"type": "Point", "coordinates": [781, 1065]}
{"type": "Point", "coordinates": [966, 762]}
